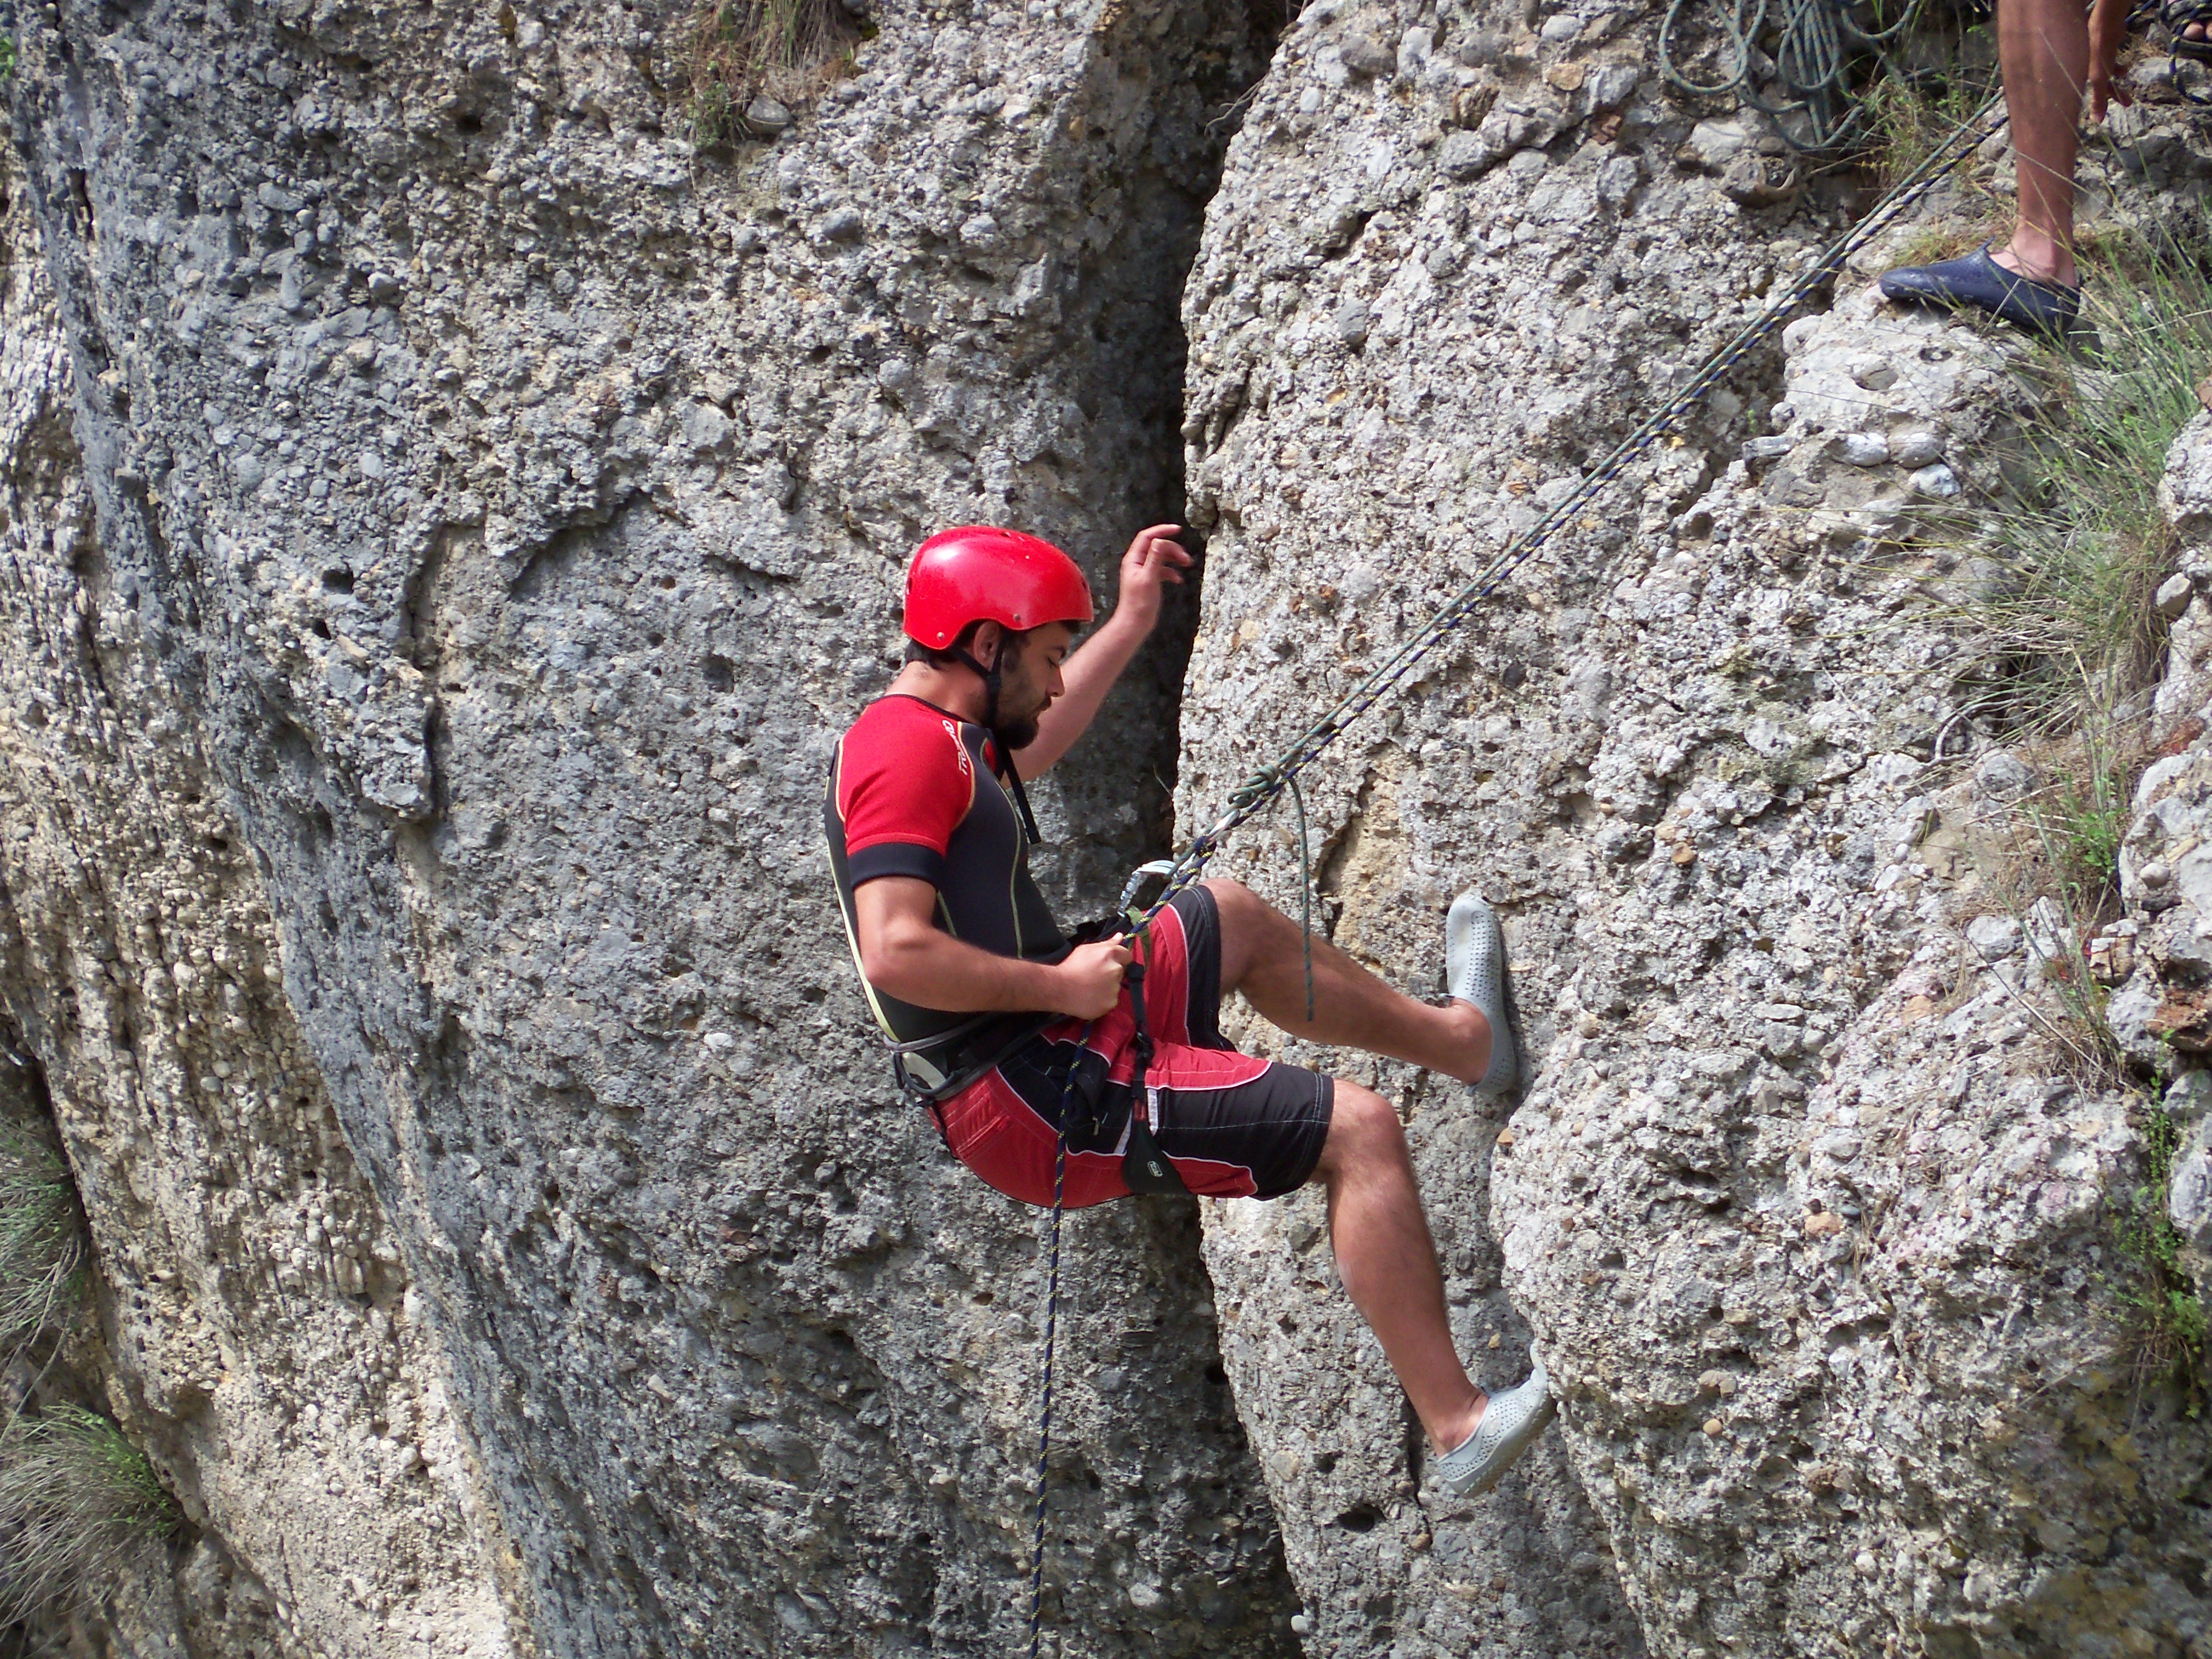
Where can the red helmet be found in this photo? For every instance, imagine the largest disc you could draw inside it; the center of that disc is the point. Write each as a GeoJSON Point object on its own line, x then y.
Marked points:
{"type": "Point", "coordinates": [975, 574]}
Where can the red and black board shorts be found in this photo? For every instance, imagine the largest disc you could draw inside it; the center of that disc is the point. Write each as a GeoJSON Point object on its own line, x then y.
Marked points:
{"type": "Point", "coordinates": [1234, 1126]}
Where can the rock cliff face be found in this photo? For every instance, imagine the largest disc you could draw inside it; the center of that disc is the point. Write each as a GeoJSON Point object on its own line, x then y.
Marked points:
{"type": "Point", "coordinates": [255, 1326]}
{"type": "Point", "coordinates": [1803, 1204]}
{"type": "Point", "coordinates": [455, 518]}
{"type": "Point", "coordinates": [446, 520]}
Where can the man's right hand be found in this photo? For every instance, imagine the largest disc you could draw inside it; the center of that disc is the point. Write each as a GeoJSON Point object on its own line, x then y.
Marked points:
{"type": "Point", "coordinates": [1088, 979]}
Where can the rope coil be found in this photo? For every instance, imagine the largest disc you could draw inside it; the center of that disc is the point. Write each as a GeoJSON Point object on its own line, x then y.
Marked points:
{"type": "Point", "coordinates": [1814, 43]}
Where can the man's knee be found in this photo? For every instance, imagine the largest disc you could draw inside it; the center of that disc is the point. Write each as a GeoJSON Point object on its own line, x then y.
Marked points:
{"type": "Point", "coordinates": [1363, 1128]}
{"type": "Point", "coordinates": [1234, 901]}
{"type": "Point", "coordinates": [1249, 922]}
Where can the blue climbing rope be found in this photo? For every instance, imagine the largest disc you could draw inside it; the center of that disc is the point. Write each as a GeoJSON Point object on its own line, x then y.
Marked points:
{"type": "Point", "coordinates": [1268, 782]}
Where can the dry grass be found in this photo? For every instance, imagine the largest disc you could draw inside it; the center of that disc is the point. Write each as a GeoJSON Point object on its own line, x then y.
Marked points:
{"type": "Point", "coordinates": [78, 1502]}
{"type": "Point", "coordinates": [2068, 635]}
{"type": "Point", "coordinates": [1907, 116]}
{"type": "Point", "coordinates": [1932, 243]}
{"type": "Point", "coordinates": [783, 50]}
{"type": "Point", "coordinates": [2061, 649]}
{"type": "Point", "coordinates": [42, 1253]}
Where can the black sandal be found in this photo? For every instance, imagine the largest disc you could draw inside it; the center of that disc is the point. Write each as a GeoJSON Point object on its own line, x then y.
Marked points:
{"type": "Point", "coordinates": [2178, 14]}
{"type": "Point", "coordinates": [2175, 17]}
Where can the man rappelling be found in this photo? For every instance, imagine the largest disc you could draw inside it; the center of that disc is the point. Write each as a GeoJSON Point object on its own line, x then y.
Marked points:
{"type": "Point", "coordinates": [1012, 1032]}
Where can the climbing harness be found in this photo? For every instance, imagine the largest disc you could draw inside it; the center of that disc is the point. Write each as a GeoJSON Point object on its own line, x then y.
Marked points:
{"type": "Point", "coordinates": [1815, 41]}
{"type": "Point", "coordinates": [1267, 783]}
{"type": "Point", "coordinates": [1145, 1167]}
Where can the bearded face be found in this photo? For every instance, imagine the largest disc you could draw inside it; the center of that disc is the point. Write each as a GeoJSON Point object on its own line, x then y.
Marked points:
{"type": "Point", "coordinates": [1022, 698]}
{"type": "Point", "coordinates": [1029, 681]}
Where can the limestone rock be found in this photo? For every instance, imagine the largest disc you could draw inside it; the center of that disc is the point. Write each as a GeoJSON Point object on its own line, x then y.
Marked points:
{"type": "Point", "coordinates": [1783, 1127]}
{"type": "Point", "coordinates": [262, 1335]}
{"type": "Point", "coordinates": [447, 518]}
{"type": "Point", "coordinates": [412, 722]}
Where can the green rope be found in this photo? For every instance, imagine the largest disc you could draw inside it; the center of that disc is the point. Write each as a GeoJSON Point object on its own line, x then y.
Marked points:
{"type": "Point", "coordinates": [1814, 42]}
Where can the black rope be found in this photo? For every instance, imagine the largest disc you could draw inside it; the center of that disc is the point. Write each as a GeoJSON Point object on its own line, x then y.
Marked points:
{"type": "Point", "coordinates": [1051, 1324]}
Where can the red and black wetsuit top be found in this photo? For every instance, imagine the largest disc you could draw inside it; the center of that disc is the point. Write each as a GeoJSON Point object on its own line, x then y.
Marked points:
{"type": "Point", "coordinates": [914, 791]}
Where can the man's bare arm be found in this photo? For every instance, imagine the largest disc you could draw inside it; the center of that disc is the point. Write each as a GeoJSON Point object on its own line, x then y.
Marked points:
{"type": "Point", "coordinates": [904, 952]}
{"type": "Point", "coordinates": [1155, 560]}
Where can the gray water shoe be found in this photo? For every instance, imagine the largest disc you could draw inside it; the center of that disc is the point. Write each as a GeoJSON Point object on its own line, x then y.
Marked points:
{"type": "Point", "coordinates": [1474, 967]}
{"type": "Point", "coordinates": [1509, 1423]}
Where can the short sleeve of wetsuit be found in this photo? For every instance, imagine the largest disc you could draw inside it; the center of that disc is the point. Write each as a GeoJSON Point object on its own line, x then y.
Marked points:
{"type": "Point", "coordinates": [903, 786]}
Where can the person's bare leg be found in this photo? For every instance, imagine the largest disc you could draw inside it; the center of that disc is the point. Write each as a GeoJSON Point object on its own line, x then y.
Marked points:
{"type": "Point", "coordinates": [2043, 51]}
{"type": "Point", "coordinates": [1261, 957]}
{"type": "Point", "coordinates": [1387, 1261]}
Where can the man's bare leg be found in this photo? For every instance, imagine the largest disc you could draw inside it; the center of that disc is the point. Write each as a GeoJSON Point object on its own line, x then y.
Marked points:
{"type": "Point", "coordinates": [2043, 51]}
{"type": "Point", "coordinates": [1387, 1259]}
{"type": "Point", "coordinates": [1261, 957]}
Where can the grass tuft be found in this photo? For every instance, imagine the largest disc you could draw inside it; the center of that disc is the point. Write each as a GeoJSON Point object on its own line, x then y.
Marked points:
{"type": "Point", "coordinates": [2067, 633]}
{"type": "Point", "coordinates": [2164, 1315]}
{"type": "Point", "coordinates": [42, 1254]}
{"type": "Point", "coordinates": [77, 1502]}
{"type": "Point", "coordinates": [1907, 116]}
{"type": "Point", "coordinates": [741, 50]}
{"type": "Point", "coordinates": [2053, 867]}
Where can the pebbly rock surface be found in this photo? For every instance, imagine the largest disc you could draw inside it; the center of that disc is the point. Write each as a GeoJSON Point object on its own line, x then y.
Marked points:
{"type": "Point", "coordinates": [468, 515]}
{"type": "Point", "coordinates": [1806, 1200]}
{"type": "Point", "coordinates": [2158, 956]}
{"type": "Point", "coordinates": [256, 1327]}
{"type": "Point", "coordinates": [448, 517]}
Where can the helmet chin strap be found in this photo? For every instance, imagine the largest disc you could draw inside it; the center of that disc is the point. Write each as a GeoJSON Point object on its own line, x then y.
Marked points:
{"type": "Point", "coordinates": [1008, 776]}
{"type": "Point", "coordinates": [990, 678]}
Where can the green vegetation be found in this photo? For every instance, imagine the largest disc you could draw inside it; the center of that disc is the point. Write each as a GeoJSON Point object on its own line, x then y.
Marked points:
{"type": "Point", "coordinates": [7, 56]}
{"type": "Point", "coordinates": [2067, 633]}
{"type": "Point", "coordinates": [2070, 855]}
{"type": "Point", "coordinates": [41, 1237]}
{"type": "Point", "coordinates": [77, 1501]}
{"type": "Point", "coordinates": [2165, 1316]}
{"type": "Point", "coordinates": [2084, 827]}
{"type": "Point", "coordinates": [1907, 116]}
{"type": "Point", "coordinates": [2061, 640]}
{"type": "Point", "coordinates": [742, 49]}
{"type": "Point", "coordinates": [2062, 644]}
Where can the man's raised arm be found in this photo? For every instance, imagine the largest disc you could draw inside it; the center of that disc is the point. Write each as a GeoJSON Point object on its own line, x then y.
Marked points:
{"type": "Point", "coordinates": [1155, 560]}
